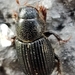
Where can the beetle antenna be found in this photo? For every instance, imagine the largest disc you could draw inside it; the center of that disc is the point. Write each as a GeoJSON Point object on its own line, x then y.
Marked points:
{"type": "Point", "coordinates": [17, 1]}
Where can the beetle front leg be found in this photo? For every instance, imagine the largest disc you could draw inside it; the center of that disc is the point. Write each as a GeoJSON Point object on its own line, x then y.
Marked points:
{"type": "Point", "coordinates": [47, 34]}
{"type": "Point", "coordinates": [58, 64]}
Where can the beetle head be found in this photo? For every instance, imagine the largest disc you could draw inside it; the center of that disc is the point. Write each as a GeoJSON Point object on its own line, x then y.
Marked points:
{"type": "Point", "coordinates": [25, 11]}
{"type": "Point", "coordinates": [28, 12]}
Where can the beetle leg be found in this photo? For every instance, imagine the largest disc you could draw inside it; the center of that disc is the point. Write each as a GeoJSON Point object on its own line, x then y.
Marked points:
{"type": "Point", "coordinates": [15, 15]}
{"type": "Point", "coordinates": [47, 34]}
{"type": "Point", "coordinates": [17, 1]}
{"type": "Point", "coordinates": [2, 71]}
{"type": "Point", "coordinates": [13, 40]}
{"type": "Point", "coordinates": [42, 12]}
{"type": "Point", "coordinates": [58, 64]}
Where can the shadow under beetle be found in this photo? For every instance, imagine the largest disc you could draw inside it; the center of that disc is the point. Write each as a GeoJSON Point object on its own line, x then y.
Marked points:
{"type": "Point", "coordinates": [35, 53]}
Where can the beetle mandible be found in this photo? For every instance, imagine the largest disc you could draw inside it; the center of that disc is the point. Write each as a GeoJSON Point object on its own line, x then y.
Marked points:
{"type": "Point", "coordinates": [35, 53]}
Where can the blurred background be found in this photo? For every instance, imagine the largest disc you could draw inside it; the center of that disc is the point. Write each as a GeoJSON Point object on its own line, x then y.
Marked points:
{"type": "Point", "coordinates": [60, 19]}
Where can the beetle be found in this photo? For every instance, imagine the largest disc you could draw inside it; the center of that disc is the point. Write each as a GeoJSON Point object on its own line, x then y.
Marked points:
{"type": "Point", "coordinates": [35, 53]}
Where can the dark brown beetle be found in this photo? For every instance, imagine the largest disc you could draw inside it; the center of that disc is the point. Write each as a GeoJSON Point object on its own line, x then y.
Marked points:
{"type": "Point", "coordinates": [35, 53]}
